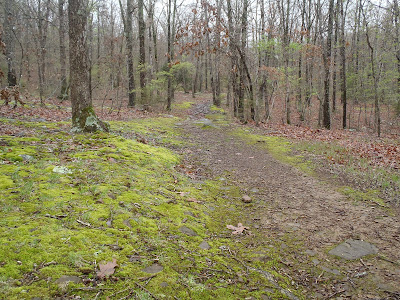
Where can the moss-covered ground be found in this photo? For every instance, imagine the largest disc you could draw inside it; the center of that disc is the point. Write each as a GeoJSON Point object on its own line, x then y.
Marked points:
{"type": "Point", "coordinates": [70, 203]}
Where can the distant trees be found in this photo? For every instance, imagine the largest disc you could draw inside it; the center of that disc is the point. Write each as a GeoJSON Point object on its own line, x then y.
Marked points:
{"type": "Point", "coordinates": [332, 63]}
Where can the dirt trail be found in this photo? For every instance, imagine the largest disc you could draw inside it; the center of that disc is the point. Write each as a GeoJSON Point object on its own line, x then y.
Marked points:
{"type": "Point", "coordinates": [287, 202]}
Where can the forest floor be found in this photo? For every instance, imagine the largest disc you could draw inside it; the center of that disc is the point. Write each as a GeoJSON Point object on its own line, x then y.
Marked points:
{"type": "Point", "coordinates": [194, 206]}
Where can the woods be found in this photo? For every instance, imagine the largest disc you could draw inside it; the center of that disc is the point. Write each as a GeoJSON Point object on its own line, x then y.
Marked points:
{"type": "Point", "coordinates": [329, 63]}
{"type": "Point", "coordinates": [199, 149]}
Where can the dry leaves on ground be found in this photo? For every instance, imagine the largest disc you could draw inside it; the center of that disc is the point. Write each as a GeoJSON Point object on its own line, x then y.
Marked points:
{"type": "Point", "coordinates": [239, 229]}
{"type": "Point", "coordinates": [107, 269]}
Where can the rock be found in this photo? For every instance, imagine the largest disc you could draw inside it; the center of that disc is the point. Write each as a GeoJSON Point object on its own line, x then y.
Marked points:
{"type": "Point", "coordinates": [204, 245]}
{"type": "Point", "coordinates": [310, 252]}
{"type": "Point", "coordinates": [163, 284]}
{"type": "Point", "coordinates": [188, 213]}
{"type": "Point", "coordinates": [20, 134]}
{"type": "Point", "coordinates": [254, 190]}
{"type": "Point", "coordinates": [265, 297]}
{"type": "Point", "coordinates": [225, 188]}
{"type": "Point", "coordinates": [178, 124]}
{"type": "Point", "coordinates": [187, 231]}
{"type": "Point", "coordinates": [127, 223]}
{"type": "Point", "coordinates": [353, 249]}
{"type": "Point", "coordinates": [246, 199]}
{"type": "Point", "coordinates": [62, 170]}
{"type": "Point", "coordinates": [211, 208]}
{"type": "Point", "coordinates": [155, 268]}
{"type": "Point", "coordinates": [205, 122]}
{"type": "Point", "coordinates": [26, 157]}
{"type": "Point", "coordinates": [315, 262]}
{"type": "Point", "coordinates": [332, 271]}
{"type": "Point", "coordinates": [65, 279]}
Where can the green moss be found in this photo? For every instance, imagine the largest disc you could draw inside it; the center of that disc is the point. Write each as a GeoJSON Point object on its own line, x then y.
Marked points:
{"type": "Point", "coordinates": [120, 201]}
{"type": "Point", "coordinates": [280, 148]}
{"type": "Point", "coordinates": [217, 109]}
{"type": "Point", "coordinates": [184, 105]}
{"type": "Point", "coordinates": [5, 182]}
{"type": "Point", "coordinates": [368, 196]}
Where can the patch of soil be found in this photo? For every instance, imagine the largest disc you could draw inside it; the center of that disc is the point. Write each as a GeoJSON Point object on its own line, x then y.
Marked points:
{"type": "Point", "coordinates": [288, 203]}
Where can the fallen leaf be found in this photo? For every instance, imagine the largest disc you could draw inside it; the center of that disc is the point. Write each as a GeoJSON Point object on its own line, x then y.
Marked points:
{"type": "Point", "coordinates": [193, 200]}
{"type": "Point", "coordinates": [239, 229]}
{"type": "Point", "coordinates": [107, 269]}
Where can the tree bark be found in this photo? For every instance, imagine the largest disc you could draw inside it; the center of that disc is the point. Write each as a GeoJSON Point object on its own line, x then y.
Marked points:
{"type": "Point", "coordinates": [343, 65]}
{"type": "Point", "coordinates": [84, 118]}
{"type": "Point", "coordinates": [142, 53]}
{"type": "Point", "coordinates": [9, 17]}
{"type": "Point", "coordinates": [63, 67]}
{"type": "Point", "coordinates": [326, 118]}
{"type": "Point", "coordinates": [127, 20]}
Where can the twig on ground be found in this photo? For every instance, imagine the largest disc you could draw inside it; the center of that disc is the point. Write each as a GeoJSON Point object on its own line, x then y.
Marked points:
{"type": "Point", "coordinates": [146, 290]}
{"type": "Point", "coordinates": [83, 223]}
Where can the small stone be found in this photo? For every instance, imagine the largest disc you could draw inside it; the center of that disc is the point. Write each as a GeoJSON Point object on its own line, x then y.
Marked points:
{"type": "Point", "coordinates": [135, 258]}
{"type": "Point", "coordinates": [204, 245]}
{"type": "Point", "coordinates": [225, 188]}
{"type": "Point", "coordinates": [115, 247]}
{"type": "Point", "coordinates": [155, 268]}
{"type": "Point", "coordinates": [265, 297]}
{"type": "Point", "coordinates": [163, 284]}
{"type": "Point", "coordinates": [26, 157]}
{"type": "Point", "coordinates": [353, 249]}
{"type": "Point", "coordinates": [332, 271]}
{"type": "Point", "coordinates": [188, 213]}
{"type": "Point", "coordinates": [254, 190]}
{"type": "Point", "coordinates": [211, 208]}
{"type": "Point", "coordinates": [315, 262]}
{"type": "Point", "coordinates": [187, 231]}
{"type": "Point", "coordinates": [127, 223]}
{"type": "Point", "coordinates": [310, 252]}
{"type": "Point", "coordinates": [246, 199]}
{"type": "Point", "coordinates": [62, 170]}
{"type": "Point", "coordinates": [65, 279]}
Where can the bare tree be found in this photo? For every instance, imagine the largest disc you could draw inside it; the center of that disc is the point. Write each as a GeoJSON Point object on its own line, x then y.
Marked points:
{"type": "Point", "coordinates": [9, 40]}
{"type": "Point", "coordinates": [63, 68]}
{"type": "Point", "coordinates": [127, 20]}
{"type": "Point", "coordinates": [142, 52]}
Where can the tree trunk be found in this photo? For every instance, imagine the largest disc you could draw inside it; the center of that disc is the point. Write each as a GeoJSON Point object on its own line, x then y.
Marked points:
{"type": "Point", "coordinates": [83, 115]}
{"type": "Point", "coordinates": [127, 20]}
{"type": "Point", "coordinates": [42, 28]}
{"type": "Point", "coordinates": [142, 53]}
{"type": "Point", "coordinates": [343, 65]}
{"type": "Point", "coordinates": [63, 68]}
{"type": "Point", "coordinates": [233, 75]}
{"type": "Point", "coordinates": [326, 118]}
{"type": "Point", "coordinates": [242, 74]}
{"type": "Point", "coordinates": [396, 13]}
{"type": "Point", "coordinates": [376, 96]}
{"type": "Point", "coordinates": [217, 56]}
{"type": "Point", "coordinates": [9, 13]}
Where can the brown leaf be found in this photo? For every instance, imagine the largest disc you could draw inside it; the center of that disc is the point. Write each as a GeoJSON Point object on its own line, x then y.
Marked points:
{"type": "Point", "coordinates": [107, 269]}
{"type": "Point", "coordinates": [239, 229]}
{"type": "Point", "coordinates": [193, 200]}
